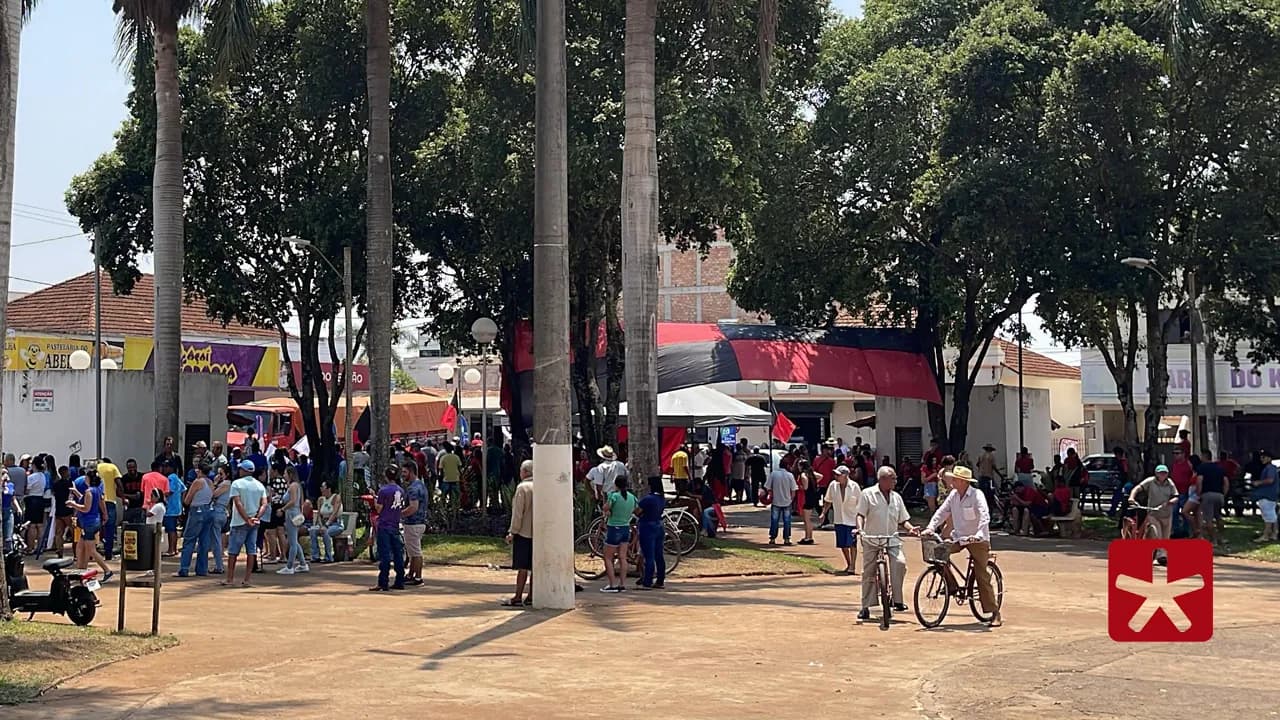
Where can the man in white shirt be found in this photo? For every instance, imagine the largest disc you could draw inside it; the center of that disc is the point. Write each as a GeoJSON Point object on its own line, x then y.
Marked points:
{"type": "Point", "coordinates": [782, 484]}
{"type": "Point", "coordinates": [700, 463]}
{"type": "Point", "coordinates": [842, 502]}
{"type": "Point", "coordinates": [604, 475]}
{"type": "Point", "coordinates": [881, 512]}
{"type": "Point", "coordinates": [966, 506]}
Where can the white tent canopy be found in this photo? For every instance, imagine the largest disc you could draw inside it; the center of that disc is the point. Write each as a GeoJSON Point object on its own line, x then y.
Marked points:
{"type": "Point", "coordinates": [703, 407]}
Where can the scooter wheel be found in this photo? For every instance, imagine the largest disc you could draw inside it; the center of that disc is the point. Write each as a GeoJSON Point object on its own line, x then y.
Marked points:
{"type": "Point", "coordinates": [81, 606]}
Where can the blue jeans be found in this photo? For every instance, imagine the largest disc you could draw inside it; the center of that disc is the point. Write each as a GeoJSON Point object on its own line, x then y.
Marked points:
{"type": "Point", "coordinates": [6, 527]}
{"type": "Point", "coordinates": [709, 522]}
{"type": "Point", "coordinates": [294, 557]}
{"type": "Point", "coordinates": [195, 539]}
{"type": "Point", "coordinates": [390, 550]}
{"type": "Point", "coordinates": [319, 531]}
{"type": "Point", "coordinates": [213, 534]}
{"type": "Point", "coordinates": [776, 515]}
{"type": "Point", "coordinates": [651, 537]}
{"type": "Point", "coordinates": [109, 531]}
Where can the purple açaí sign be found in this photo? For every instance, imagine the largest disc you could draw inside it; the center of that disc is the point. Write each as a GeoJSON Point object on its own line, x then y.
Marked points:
{"type": "Point", "coordinates": [239, 363]}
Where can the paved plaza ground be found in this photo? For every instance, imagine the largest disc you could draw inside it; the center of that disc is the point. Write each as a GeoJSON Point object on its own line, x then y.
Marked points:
{"type": "Point", "coordinates": [320, 646]}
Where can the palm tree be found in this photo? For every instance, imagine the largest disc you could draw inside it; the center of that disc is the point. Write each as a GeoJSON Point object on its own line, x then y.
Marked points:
{"type": "Point", "coordinates": [147, 30]}
{"type": "Point", "coordinates": [14, 14]}
{"type": "Point", "coordinates": [640, 217]}
{"type": "Point", "coordinates": [1182, 19]}
{"type": "Point", "coordinates": [379, 227]}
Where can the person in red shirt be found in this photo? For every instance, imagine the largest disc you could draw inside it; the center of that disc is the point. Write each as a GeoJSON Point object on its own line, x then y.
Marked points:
{"type": "Point", "coordinates": [1024, 464]}
{"type": "Point", "coordinates": [1182, 473]}
{"type": "Point", "coordinates": [934, 453]}
{"type": "Point", "coordinates": [155, 480]}
{"type": "Point", "coordinates": [1061, 502]}
{"type": "Point", "coordinates": [825, 467]}
{"type": "Point", "coordinates": [1029, 507]}
{"type": "Point", "coordinates": [1235, 487]}
{"type": "Point", "coordinates": [1184, 442]}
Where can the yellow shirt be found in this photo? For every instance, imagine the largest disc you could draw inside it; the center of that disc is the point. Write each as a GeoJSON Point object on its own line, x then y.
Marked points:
{"type": "Point", "coordinates": [680, 465]}
{"type": "Point", "coordinates": [108, 472]}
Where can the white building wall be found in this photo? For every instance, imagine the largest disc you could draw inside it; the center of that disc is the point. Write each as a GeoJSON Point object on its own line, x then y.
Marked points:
{"type": "Point", "coordinates": [128, 413]}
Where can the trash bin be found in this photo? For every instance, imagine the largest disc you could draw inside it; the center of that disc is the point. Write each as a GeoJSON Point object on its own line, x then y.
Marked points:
{"type": "Point", "coordinates": [138, 546]}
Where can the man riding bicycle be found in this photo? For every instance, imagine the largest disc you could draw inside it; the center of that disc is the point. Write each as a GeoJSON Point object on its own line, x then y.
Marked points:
{"type": "Point", "coordinates": [881, 512]}
{"type": "Point", "coordinates": [1160, 492]}
{"type": "Point", "coordinates": [966, 506]}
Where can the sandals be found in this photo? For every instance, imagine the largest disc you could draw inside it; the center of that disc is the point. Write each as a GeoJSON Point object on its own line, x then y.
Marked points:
{"type": "Point", "coordinates": [379, 588]}
{"type": "Point", "coordinates": [514, 603]}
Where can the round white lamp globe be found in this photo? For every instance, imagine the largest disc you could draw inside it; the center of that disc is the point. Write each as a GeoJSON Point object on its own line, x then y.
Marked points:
{"type": "Point", "coordinates": [472, 376]}
{"type": "Point", "coordinates": [80, 360]}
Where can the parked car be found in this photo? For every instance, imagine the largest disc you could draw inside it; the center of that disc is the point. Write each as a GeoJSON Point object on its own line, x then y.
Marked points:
{"type": "Point", "coordinates": [1104, 472]}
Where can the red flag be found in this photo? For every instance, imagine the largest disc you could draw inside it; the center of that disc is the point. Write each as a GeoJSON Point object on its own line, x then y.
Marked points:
{"type": "Point", "coordinates": [783, 428]}
{"type": "Point", "coordinates": [450, 418]}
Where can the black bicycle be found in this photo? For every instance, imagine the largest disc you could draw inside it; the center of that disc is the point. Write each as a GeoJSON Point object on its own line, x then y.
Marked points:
{"type": "Point", "coordinates": [937, 585]}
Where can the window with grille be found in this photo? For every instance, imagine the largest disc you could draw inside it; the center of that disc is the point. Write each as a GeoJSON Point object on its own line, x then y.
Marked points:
{"type": "Point", "coordinates": [908, 442]}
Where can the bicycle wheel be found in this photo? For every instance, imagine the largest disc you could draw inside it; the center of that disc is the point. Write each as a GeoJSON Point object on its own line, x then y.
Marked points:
{"type": "Point", "coordinates": [997, 511]}
{"type": "Point", "coordinates": [688, 528]}
{"type": "Point", "coordinates": [587, 563]}
{"type": "Point", "coordinates": [886, 594]}
{"type": "Point", "coordinates": [997, 585]}
{"type": "Point", "coordinates": [931, 597]}
{"type": "Point", "coordinates": [671, 549]}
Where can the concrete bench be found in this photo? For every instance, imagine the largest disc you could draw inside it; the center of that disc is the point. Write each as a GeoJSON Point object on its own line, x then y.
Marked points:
{"type": "Point", "coordinates": [1069, 525]}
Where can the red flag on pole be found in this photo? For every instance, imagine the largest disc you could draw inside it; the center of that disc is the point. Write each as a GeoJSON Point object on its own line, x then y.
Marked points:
{"type": "Point", "coordinates": [450, 418]}
{"type": "Point", "coordinates": [783, 428]}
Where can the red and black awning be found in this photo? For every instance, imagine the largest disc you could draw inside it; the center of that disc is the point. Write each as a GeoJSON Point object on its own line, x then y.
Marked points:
{"type": "Point", "coordinates": [877, 361]}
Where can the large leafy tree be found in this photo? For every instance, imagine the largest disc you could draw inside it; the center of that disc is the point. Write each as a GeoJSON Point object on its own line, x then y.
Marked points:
{"type": "Point", "coordinates": [148, 32]}
{"type": "Point", "coordinates": [914, 196]}
{"type": "Point", "coordinates": [278, 151]}
{"type": "Point", "coordinates": [1163, 146]}
{"type": "Point", "coordinates": [467, 198]}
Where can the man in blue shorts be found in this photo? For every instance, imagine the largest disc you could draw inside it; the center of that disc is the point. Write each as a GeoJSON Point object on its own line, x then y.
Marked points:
{"type": "Point", "coordinates": [841, 501]}
{"type": "Point", "coordinates": [248, 501]}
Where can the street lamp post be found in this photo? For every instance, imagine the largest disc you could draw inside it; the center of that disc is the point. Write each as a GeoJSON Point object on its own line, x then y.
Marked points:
{"type": "Point", "coordinates": [1197, 327]}
{"type": "Point", "coordinates": [484, 331]}
{"type": "Point", "coordinates": [348, 441]}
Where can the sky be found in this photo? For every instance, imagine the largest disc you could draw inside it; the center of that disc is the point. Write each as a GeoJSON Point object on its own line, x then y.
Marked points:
{"type": "Point", "coordinates": [71, 97]}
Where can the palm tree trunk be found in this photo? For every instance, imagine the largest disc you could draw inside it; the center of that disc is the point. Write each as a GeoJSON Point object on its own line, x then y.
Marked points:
{"type": "Point", "coordinates": [553, 449]}
{"type": "Point", "coordinates": [11, 17]}
{"type": "Point", "coordinates": [640, 239]}
{"type": "Point", "coordinates": [380, 229]}
{"type": "Point", "coordinates": [167, 210]}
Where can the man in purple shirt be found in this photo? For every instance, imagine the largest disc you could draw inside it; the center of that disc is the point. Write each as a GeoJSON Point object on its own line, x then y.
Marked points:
{"type": "Point", "coordinates": [389, 503]}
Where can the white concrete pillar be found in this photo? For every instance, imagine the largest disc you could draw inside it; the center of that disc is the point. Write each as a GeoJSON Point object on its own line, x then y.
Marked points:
{"type": "Point", "coordinates": [553, 527]}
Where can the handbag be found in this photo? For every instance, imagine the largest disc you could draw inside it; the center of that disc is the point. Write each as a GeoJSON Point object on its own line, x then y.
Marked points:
{"type": "Point", "coordinates": [298, 519]}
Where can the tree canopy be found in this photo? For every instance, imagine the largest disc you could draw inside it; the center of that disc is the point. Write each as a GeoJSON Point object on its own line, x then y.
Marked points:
{"type": "Point", "coordinates": [276, 151]}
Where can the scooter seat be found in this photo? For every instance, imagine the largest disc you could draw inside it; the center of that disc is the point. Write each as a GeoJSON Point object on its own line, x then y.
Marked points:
{"type": "Point", "coordinates": [57, 564]}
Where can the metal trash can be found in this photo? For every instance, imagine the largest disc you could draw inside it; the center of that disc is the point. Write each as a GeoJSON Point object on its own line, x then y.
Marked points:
{"type": "Point", "coordinates": [138, 546]}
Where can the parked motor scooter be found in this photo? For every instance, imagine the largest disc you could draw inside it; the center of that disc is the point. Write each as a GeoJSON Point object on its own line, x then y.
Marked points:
{"type": "Point", "coordinates": [70, 593]}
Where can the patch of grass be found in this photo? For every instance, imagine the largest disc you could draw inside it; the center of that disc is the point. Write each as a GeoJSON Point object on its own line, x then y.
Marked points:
{"type": "Point", "coordinates": [34, 655]}
{"type": "Point", "coordinates": [1239, 534]}
{"type": "Point", "coordinates": [736, 557]}
{"type": "Point", "coordinates": [712, 557]}
{"type": "Point", "coordinates": [465, 550]}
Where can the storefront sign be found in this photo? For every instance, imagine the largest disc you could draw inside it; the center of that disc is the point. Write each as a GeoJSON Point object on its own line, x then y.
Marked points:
{"type": "Point", "coordinates": [1233, 385]}
{"type": "Point", "coordinates": [245, 366]}
{"type": "Point", "coordinates": [359, 374]}
{"type": "Point", "coordinates": [26, 352]}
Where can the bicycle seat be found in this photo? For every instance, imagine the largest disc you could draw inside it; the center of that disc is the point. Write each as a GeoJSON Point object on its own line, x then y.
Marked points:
{"type": "Point", "coordinates": [57, 564]}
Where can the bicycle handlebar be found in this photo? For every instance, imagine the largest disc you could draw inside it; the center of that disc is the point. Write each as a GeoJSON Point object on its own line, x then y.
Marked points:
{"type": "Point", "coordinates": [1148, 509]}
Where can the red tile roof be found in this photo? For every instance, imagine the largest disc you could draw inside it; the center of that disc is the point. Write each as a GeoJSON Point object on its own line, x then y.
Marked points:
{"type": "Point", "coordinates": [67, 309]}
{"type": "Point", "coordinates": [1033, 363]}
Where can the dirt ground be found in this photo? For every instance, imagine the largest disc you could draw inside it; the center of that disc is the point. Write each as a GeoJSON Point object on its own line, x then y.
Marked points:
{"type": "Point", "coordinates": [320, 646]}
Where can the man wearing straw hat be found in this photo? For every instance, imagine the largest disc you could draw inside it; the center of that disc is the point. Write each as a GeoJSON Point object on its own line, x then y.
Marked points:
{"type": "Point", "coordinates": [602, 476]}
{"type": "Point", "coordinates": [966, 506]}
